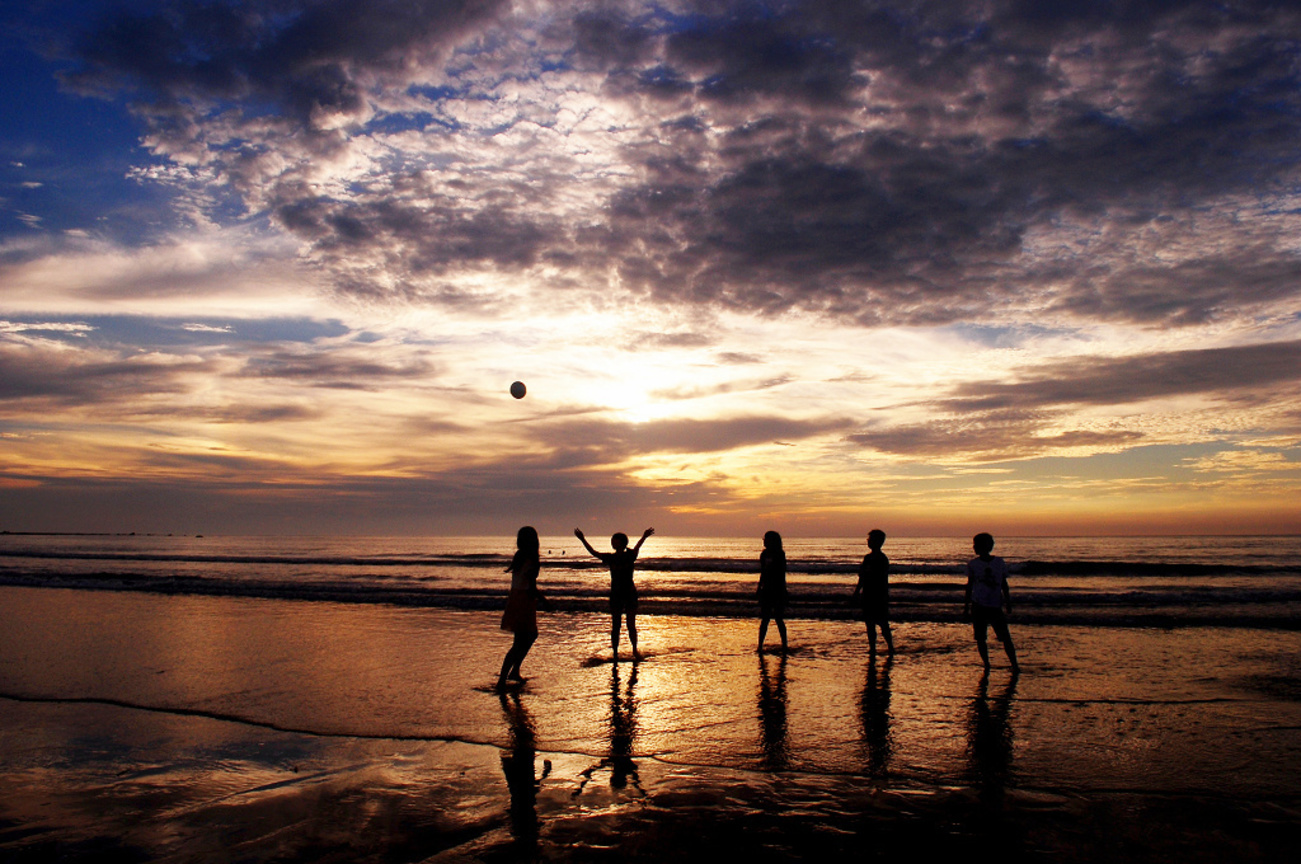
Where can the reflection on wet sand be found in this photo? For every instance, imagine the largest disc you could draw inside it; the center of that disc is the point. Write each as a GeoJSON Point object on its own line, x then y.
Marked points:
{"type": "Point", "coordinates": [518, 764]}
{"type": "Point", "coordinates": [874, 709]}
{"type": "Point", "coordinates": [772, 714]}
{"type": "Point", "coordinates": [623, 734]}
{"type": "Point", "coordinates": [989, 739]}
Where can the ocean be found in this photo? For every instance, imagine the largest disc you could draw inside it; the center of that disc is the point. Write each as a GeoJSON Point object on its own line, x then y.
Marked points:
{"type": "Point", "coordinates": [252, 699]}
{"type": "Point", "coordinates": [1139, 581]}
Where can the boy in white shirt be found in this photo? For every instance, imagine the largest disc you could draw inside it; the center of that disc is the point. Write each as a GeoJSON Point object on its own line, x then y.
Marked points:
{"type": "Point", "coordinates": [987, 596]}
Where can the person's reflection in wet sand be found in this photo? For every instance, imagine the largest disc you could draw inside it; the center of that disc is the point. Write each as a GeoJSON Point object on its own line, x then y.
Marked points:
{"type": "Point", "coordinates": [518, 766]}
{"type": "Point", "coordinates": [772, 714]}
{"type": "Point", "coordinates": [989, 739]}
{"type": "Point", "coordinates": [623, 734]}
{"type": "Point", "coordinates": [874, 707]}
{"type": "Point", "coordinates": [623, 730]}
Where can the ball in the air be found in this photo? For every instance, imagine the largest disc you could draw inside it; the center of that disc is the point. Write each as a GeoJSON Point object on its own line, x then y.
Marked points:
{"type": "Point", "coordinates": [518, 390]}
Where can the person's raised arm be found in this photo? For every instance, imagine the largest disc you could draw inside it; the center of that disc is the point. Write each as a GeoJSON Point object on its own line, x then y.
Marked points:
{"type": "Point", "coordinates": [648, 532]}
{"type": "Point", "coordinates": [588, 546]}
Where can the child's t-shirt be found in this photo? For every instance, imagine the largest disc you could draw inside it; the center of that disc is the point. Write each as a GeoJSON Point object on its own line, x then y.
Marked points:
{"type": "Point", "coordinates": [987, 578]}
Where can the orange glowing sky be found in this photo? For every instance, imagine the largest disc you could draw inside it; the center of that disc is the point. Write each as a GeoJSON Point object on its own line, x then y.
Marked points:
{"type": "Point", "coordinates": [934, 267]}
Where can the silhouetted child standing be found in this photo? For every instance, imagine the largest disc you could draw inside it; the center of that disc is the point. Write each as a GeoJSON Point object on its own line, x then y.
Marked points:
{"type": "Point", "coordinates": [772, 587]}
{"type": "Point", "coordinates": [623, 593]}
{"type": "Point", "coordinates": [521, 615]}
{"type": "Point", "coordinates": [873, 591]}
{"type": "Point", "coordinates": [987, 596]}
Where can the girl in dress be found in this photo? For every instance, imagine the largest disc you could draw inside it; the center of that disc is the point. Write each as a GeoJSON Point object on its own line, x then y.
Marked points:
{"type": "Point", "coordinates": [521, 615]}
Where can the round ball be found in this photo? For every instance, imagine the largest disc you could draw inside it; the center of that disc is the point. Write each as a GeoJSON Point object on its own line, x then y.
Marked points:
{"type": "Point", "coordinates": [518, 390]}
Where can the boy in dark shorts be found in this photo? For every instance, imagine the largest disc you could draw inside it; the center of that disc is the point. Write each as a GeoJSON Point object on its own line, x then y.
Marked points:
{"type": "Point", "coordinates": [873, 591]}
{"type": "Point", "coordinates": [987, 596]}
{"type": "Point", "coordinates": [623, 593]}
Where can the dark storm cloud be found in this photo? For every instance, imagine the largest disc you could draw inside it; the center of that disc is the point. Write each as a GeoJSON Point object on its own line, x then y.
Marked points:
{"type": "Point", "coordinates": [893, 162]}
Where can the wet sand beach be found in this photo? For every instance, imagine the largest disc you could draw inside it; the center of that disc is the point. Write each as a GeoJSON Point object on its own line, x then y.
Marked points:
{"type": "Point", "coordinates": [147, 727]}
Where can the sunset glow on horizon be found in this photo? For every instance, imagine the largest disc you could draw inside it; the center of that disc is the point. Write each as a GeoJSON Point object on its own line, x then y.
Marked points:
{"type": "Point", "coordinates": [271, 266]}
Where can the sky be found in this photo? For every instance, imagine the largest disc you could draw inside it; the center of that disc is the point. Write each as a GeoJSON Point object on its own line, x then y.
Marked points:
{"type": "Point", "coordinates": [936, 267]}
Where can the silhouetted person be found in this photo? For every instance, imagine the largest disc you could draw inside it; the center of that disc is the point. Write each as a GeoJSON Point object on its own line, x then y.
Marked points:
{"type": "Point", "coordinates": [518, 765]}
{"type": "Point", "coordinates": [986, 598]}
{"type": "Point", "coordinates": [521, 615]}
{"type": "Point", "coordinates": [623, 593]}
{"type": "Point", "coordinates": [873, 591]}
{"type": "Point", "coordinates": [772, 715]}
{"type": "Point", "coordinates": [772, 587]}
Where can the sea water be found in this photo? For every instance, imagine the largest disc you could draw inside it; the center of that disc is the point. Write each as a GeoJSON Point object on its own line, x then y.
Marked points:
{"type": "Point", "coordinates": [1161, 581]}
{"type": "Point", "coordinates": [180, 691]}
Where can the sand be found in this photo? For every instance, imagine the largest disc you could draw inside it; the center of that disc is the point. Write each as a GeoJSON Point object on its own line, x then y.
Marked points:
{"type": "Point", "coordinates": [141, 727]}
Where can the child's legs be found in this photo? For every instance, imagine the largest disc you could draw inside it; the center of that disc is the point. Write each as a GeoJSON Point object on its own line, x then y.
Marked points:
{"type": "Point", "coordinates": [632, 627]}
{"type": "Point", "coordinates": [763, 629]}
{"type": "Point", "coordinates": [781, 628]}
{"type": "Point", "coordinates": [523, 642]}
{"type": "Point", "coordinates": [980, 627]}
{"type": "Point", "coordinates": [615, 617]}
{"type": "Point", "coordinates": [1005, 636]}
{"type": "Point", "coordinates": [889, 638]}
{"type": "Point", "coordinates": [519, 649]}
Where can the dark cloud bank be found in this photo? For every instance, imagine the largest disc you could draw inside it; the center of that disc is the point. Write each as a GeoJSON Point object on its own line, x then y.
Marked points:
{"type": "Point", "coordinates": [889, 162]}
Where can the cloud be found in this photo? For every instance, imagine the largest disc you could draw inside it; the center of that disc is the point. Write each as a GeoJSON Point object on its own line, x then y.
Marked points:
{"type": "Point", "coordinates": [595, 441]}
{"type": "Point", "coordinates": [247, 497]}
{"type": "Point", "coordinates": [32, 371]}
{"type": "Point", "coordinates": [698, 392]}
{"type": "Point", "coordinates": [1041, 408]}
{"type": "Point", "coordinates": [341, 369]}
{"type": "Point", "coordinates": [990, 437]}
{"type": "Point", "coordinates": [1236, 373]}
{"type": "Point", "coordinates": [72, 328]}
{"type": "Point", "coordinates": [898, 163]}
{"type": "Point", "coordinates": [303, 57]}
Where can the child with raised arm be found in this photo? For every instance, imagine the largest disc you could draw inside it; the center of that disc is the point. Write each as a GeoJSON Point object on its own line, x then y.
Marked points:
{"type": "Point", "coordinates": [987, 596]}
{"type": "Point", "coordinates": [873, 591]}
{"type": "Point", "coordinates": [623, 593]}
